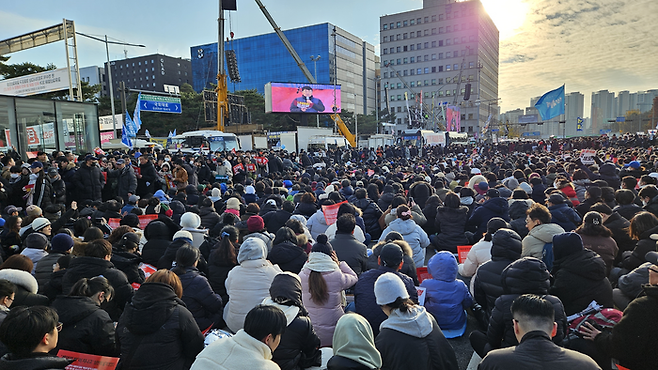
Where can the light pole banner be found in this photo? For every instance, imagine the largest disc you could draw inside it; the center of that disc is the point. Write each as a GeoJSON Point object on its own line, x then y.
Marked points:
{"type": "Point", "coordinates": [36, 83]}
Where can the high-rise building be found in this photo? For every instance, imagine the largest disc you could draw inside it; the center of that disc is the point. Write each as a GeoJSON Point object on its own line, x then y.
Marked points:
{"type": "Point", "coordinates": [149, 73]}
{"type": "Point", "coordinates": [603, 110]}
{"type": "Point", "coordinates": [574, 109]}
{"type": "Point", "coordinates": [264, 58]}
{"type": "Point", "coordinates": [435, 54]}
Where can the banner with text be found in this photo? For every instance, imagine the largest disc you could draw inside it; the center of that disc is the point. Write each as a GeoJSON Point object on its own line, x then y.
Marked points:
{"type": "Point", "coordinates": [36, 83]}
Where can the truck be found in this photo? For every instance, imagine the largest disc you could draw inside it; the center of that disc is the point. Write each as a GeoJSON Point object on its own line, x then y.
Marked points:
{"type": "Point", "coordinates": [375, 141]}
{"type": "Point", "coordinates": [327, 142]}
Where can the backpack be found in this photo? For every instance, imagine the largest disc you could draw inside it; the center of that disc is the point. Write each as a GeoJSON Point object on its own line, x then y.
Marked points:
{"type": "Point", "coordinates": [607, 318]}
{"type": "Point", "coordinates": [547, 256]}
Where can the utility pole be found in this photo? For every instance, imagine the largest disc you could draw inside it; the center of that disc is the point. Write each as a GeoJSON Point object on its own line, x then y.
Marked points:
{"type": "Point", "coordinates": [315, 66]}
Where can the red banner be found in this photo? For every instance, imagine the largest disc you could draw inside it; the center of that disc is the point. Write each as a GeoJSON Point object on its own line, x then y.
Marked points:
{"type": "Point", "coordinates": [84, 361]}
{"type": "Point", "coordinates": [145, 219]}
{"type": "Point", "coordinates": [331, 212]}
{"type": "Point", "coordinates": [251, 167]}
{"type": "Point", "coordinates": [237, 168]}
{"type": "Point", "coordinates": [261, 160]}
{"type": "Point", "coordinates": [371, 172]}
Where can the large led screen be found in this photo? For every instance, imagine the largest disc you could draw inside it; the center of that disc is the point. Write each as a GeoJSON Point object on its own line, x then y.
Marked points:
{"type": "Point", "coordinates": [301, 98]}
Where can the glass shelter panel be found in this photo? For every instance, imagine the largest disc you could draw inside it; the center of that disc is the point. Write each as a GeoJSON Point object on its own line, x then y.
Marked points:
{"type": "Point", "coordinates": [8, 132]}
{"type": "Point", "coordinates": [36, 125]}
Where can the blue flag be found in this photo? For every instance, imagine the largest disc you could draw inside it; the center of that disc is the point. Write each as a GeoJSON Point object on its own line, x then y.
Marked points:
{"type": "Point", "coordinates": [579, 124]}
{"type": "Point", "coordinates": [147, 133]}
{"type": "Point", "coordinates": [551, 104]}
{"type": "Point", "coordinates": [170, 134]}
{"type": "Point", "coordinates": [125, 140]}
{"type": "Point", "coordinates": [137, 113]}
{"type": "Point", "coordinates": [174, 132]}
{"type": "Point", "coordinates": [129, 125]}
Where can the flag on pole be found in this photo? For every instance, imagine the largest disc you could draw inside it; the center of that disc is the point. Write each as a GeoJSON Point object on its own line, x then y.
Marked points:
{"type": "Point", "coordinates": [174, 132]}
{"type": "Point", "coordinates": [579, 124]}
{"type": "Point", "coordinates": [551, 104]}
{"type": "Point", "coordinates": [129, 125]}
{"type": "Point", "coordinates": [406, 100]}
{"type": "Point", "coordinates": [170, 134]}
{"type": "Point", "coordinates": [125, 140]}
{"type": "Point", "coordinates": [147, 133]}
{"type": "Point", "coordinates": [137, 113]}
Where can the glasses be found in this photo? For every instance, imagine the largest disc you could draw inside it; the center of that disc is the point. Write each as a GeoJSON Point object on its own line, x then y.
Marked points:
{"type": "Point", "coordinates": [59, 326]}
{"type": "Point", "coordinates": [653, 269]}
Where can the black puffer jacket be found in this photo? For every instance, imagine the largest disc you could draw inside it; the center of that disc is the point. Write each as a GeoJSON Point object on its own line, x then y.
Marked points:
{"type": "Point", "coordinates": [643, 246]}
{"type": "Point", "coordinates": [88, 267]}
{"type": "Point", "coordinates": [87, 327]}
{"type": "Point", "coordinates": [209, 218]}
{"type": "Point", "coordinates": [158, 329]}
{"type": "Point", "coordinates": [525, 276]}
{"type": "Point", "coordinates": [289, 256]}
{"type": "Point", "coordinates": [420, 191]}
{"type": "Point", "coordinates": [299, 344]}
{"type": "Point", "coordinates": [158, 238]}
{"type": "Point", "coordinates": [517, 216]}
{"type": "Point", "coordinates": [386, 197]}
{"type": "Point", "coordinates": [579, 278]}
{"type": "Point", "coordinates": [494, 207]}
{"type": "Point", "coordinates": [218, 270]}
{"type": "Point", "coordinates": [371, 215]}
{"type": "Point", "coordinates": [35, 361]}
{"type": "Point", "coordinates": [619, 227]}
{"type": "Point", "coordinates": [628, 211]}
{"type": "Point", "coordinates": [129, 264]}
{"type": "Point", "coordinates": [275, 220]}
{"type": "Point", "coordinates": [146, 184]}
{"type": "Point", "coordinates": [450, 223]}
{"type": "Point", "coordinates": [488, 285]}
{"type": "Point", "coordinates": [89, 182]}
{"type": "Point", "coordinates": [342, 363]}
{"type": "Point", "coordinates": [200, 299]}
{"type": "Point", "coordinates": [305, 209]}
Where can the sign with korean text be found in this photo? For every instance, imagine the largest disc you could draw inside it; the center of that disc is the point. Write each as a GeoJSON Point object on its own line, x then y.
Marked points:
{"type": "Point", "coordinates": [84, 361]}
{"type": "Point", "coordinates": [251, 167]}
{"type": "Point", "coordinates": [237, 168]}
{"type": "Point", "coordinates": [261, 160]}
{"type": "Point", "coordinates": [163, 104]}
{"type": "Point", "coordinates": [587, 156]}
{"type": "Point", "coordinates": [36, 83]}
{"type": "Point", "coordinates": [105, 122]}
{"type": "Point", "coordinates": [331, 212]}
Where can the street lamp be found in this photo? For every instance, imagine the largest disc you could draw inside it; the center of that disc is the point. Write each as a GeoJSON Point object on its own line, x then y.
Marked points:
{"type": "Point", "coordinates": [315, 66]}
{"type": "Point", "coordinates": [356, 124]}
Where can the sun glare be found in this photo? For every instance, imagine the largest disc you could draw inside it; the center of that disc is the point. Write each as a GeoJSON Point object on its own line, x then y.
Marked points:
{"type": "Point", "coordinates": [508, 15]}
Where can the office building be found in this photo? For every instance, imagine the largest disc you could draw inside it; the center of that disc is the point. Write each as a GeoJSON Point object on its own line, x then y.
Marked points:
{"type": "Point", "coordinates": [155, 72]}
{"type": "Point", "coordinates": [432, 54]}
{"type": "Point", "coordinates": [94, 75]}
{"type": "Point", "coordinates": [264, 58]}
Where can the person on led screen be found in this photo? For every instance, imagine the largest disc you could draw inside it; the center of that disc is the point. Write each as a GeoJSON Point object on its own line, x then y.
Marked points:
{"type": "Point", "coordinates": [307, 103]}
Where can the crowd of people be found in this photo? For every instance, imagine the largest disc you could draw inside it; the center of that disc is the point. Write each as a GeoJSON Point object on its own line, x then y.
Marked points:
{"type": "Point", "coordinates": [138, 254]}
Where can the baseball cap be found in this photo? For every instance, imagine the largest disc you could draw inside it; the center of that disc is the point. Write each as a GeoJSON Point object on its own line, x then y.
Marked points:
{"type": "Point", "coordinates": [121, 161]}
{"type": "Point", "coordinates": [391, 255]}
{"type": "Point", "coordinates": [36, 164]}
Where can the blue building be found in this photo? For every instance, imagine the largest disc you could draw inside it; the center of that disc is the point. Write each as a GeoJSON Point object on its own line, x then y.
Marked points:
{"type": "Point", "coordinates": [264, 58]}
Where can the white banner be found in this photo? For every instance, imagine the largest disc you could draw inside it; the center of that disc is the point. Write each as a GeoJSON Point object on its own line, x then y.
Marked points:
{"type": "Point", "coordinates": [37, 136]}
{"type": "Point", "coordinates": [37, 83]}
{"type": "Point", "coordinates": [105, 122]}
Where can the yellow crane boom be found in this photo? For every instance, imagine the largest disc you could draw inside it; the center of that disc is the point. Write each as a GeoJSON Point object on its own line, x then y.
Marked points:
{"type": "Point", "coordinates": [342, 128]}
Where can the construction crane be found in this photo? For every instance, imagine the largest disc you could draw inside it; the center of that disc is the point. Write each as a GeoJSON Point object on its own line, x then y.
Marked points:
{"type": "Point", "coordinates": [342, 128]}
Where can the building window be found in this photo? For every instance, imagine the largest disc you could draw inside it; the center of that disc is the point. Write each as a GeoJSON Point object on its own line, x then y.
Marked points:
{"type": "Point", "coordinates": [448, 80]}
{"type": "Point", "coordinates": [426, 70]}
{"type": "Point", "coordinates": [471, 38]}
{"type": "Point", "coordinates": [464, 40]}
{"type": "Point", "coordinates": [399, 109]}
{"type": "Point", "coordinates": [426, 19]}
{"type": "Point", "coordinates": [471, 51]}
{"type": "Point", "coordinates": [412, 60]}
{"type": "Point", "coordinates": [419, 71]}
{"type": "Point", "coordinates": [418, 21]}
{"type": "Point", "coordinates": [385, 74]}
{"type": "Point", "coordinates": [434, 81]}
{"type": "Point", "coordinates": [448, 93]}
{"type": "Point", "coordinates": [440, 68]}
{"type": "Point", "coordinates": [399, 97]}
{"type": "Point", "coordinates": [412, 22]}
{"type": "Point", "coordinates": [440, 42]}
{"type": "Point", "coordinates": [405, 61]}
{"type": "Point", "coordinates": [385, 51]}
{"type": "Point", "coordinates": [433, 69]}
{"type": "Point", "coordinates": [411, 47]}
{"type": "Point", "coordinates": [426, 45]}
{"type": "Point", "coordinates": [412, 35]}
{"type": "Point", "coordinates": [470, 116]}
{"type": "Point", "coordinates": [399, 85]}
{"type": "Point", "coordinates": [398, 61]}
{"type": "Point", "coordinates": [419, 46]}
{"type": "Point", "coordinates": [433, 31]}
{"type": "Point", "coordinates": [385, 26]}
{"type": "Point", "coordinates": [397, 25]}
{"type": "Point", "coordinates": [456, 27]}
{"type": "Point", "coordinates": [404, 23]}
{"type": "Point", "coordinates": [433, 56]}
{"type": "Point", "coordinates": [440, 17]}
{"type": "Point", "coordinates": [418, 34]}
{"type": "Point", "coordinates": [398, 36]}
{"type": "Point", "coordinates": [463, 52]}
{"type": "Point", "coordinates": [146, 62]}
{"type": "Point", "coordinates": [434, 18]}
{"type": "Point", "coordinates": [470, 78]}
{"type": "Point", "coordinates": [426, 82]}
{"type": "Point", "coordinates": [385, 39]}
{"type": "Point", "coordinates": [448, 42]}
{"type": "Point", "coordinates": [426, 32]}
{"type": "Point", "coordinates": [412, 72]}
{"type": "Point", "coordinates": [448, 29]}
{"type": "Point", "coordinates": [404, 36]}
{"type": "Point", "coordinates": [455, 67]}
{"type": "Point", "coordinates": [433, 44]}
{"type": "Point", "coordinates": [404, 73]}
{"type": "Point", "coordinates": [392, 50]}
{"type": "Point", "coordinates": [426, 58]}
{"type": "Point", "coordinates": [440, 93]}
{"type": "Point", "coordinates": [440, 55]}
{"type": "Point", "coordinates": [441, 30]}
{"type": "Point", "coordinates": [440, 81]}
{"type": "Point", "coordinates": [455, 14]}
{"type": "Point", "coordinates": [397, 49]}
{"type": "Point", "coordinates": [412, 84]}
{"type": "Point", "coordinates": [456, 40]}
{"type": "Point", "coordinates": [448, 67]}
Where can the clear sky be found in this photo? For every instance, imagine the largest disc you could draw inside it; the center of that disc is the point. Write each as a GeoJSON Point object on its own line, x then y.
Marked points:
{"type": "Point", "coordinates": [589, 45]}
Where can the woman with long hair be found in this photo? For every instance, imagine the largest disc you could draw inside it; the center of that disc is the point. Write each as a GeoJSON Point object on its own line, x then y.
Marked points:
{"type": "Point", "coordinates": [204, 304]}
{"type": "Point", "coordinates": [156, 330]}
{"type": "Point", "coordinates": [324, 279]}
{"type": "Point", "coordinates": [222, 260]}
{"type": "Point", "coordinates": [642, 226]}
{"type": "Point", "coordinates": [87, 328]}
{"type": "Point", "coordinates": [598, 238]}
{"type": "Point", "coordinates": [410, 338]}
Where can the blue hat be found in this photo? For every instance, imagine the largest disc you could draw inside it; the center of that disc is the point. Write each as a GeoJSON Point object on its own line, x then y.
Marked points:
{"type": "Point", "coordinates": [633, 164]}
{"type": "Point", "coordinates": [287, 183]}
{"type": "Point", "coordinates": [138, 154]}
{"type": "Point", "coordinates": [36, 164]}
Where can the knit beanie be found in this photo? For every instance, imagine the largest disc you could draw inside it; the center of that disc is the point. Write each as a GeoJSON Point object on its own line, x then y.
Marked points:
{"type": "Point", "coordinates": [216, 193]}
{"type": "Point", "coordinates": [388, 288]}
{"type": "Point", "coordinates": [36, 241]}
{"type": "Point", "coordinates": [233, 203]}
{"type": "Point", "coordinates": [322, 245]}
{"type": "Point", "coordinates": [182, 234]}
{"type": "Point", "coordinates": [39, 223]}
{"type": "Point", "coordinates": [61, 243]}
{"type": "Point", "coordinates": [566, 244]}
{"type": "Point", "coordinates": [255, 223]}
{"type": "Point", "coordinates": [191, 220]}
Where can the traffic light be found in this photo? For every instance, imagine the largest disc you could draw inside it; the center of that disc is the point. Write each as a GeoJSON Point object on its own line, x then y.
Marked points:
{"type": "Point", "coordinates": [467, 91]}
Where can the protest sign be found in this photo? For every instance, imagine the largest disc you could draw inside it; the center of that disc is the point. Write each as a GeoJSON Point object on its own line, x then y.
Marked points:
{"type": "Point", "coordinates": [331, 212]}
{"type": "Point", "coordinates": [84, 361]}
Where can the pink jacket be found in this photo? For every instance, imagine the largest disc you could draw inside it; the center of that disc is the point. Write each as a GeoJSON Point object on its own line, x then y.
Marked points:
{"type": "Point", "coordinates": [324, 317]}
